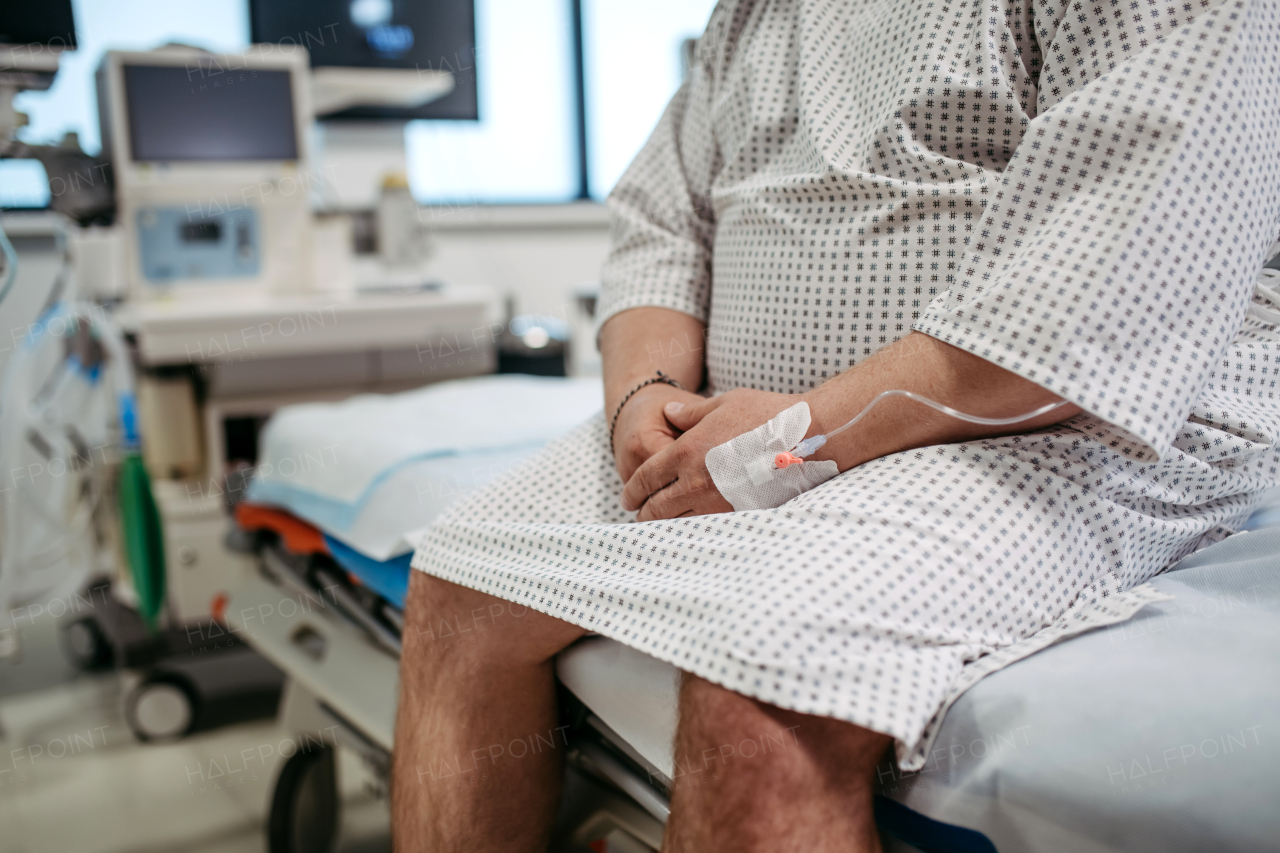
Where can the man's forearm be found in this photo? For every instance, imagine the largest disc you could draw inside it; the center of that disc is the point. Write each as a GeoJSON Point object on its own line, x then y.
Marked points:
{"type": "Point", "coordinates": [638, 342]}
{"type": "Point", "coordinates": [936, 370]}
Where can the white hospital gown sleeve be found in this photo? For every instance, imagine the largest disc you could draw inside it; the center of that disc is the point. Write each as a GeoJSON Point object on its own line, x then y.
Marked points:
{"type": "Point", "coordinates": [660, 211]}
{"type": "Point", "coordinates": [1118, 253]}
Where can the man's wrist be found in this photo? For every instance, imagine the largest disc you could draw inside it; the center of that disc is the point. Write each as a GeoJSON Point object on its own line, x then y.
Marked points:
{"type": "Point", "coordinates": [819, 412]}
{"type": "Point", "coordinates": [829, 410]}
{"type": "Point", "coordinates": [656, 379]}
{"type": "Point", "coordinates": [639, 397]}
{"type": "Point", "coordinates": [617, 390]}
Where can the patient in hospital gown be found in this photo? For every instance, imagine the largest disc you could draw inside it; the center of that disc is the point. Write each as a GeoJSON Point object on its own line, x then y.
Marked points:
{"type": "Point", "coordinates": [1081, 193]}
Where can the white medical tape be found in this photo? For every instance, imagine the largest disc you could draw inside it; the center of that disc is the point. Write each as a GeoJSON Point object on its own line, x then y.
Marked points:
{"type": "Point", "coordinates": [743, 468]}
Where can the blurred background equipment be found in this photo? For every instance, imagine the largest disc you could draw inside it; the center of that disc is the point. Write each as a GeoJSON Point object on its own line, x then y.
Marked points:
{"type": "Point", "coordinates": [205, 232]}
{"type": "Point", "coordinates": [33, 38]}
{"type": "Point", "coordinates": [67, 391]}
{"type": "Point", "coordinates": [534, 344]}
{"type": "Point", "coordinates": [208, 154]}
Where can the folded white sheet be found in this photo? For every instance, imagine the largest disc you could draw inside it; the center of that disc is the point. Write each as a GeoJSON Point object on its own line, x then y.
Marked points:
{"type": "Point", "coordinates": [324, 461]}
{"type": "Point", "coordinates": [401, 507]}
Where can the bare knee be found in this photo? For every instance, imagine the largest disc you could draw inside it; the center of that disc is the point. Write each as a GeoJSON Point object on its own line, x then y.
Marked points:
{"type": "Point", "coordinates": [707, 707]}
{"type": "Point", "coordinates": [722, 727]}
{"type": "Point", "coordinates": [719, 727]}
{"type": "Point", "coordinates": [445, 620]}
{"type": "Point", "coordinates": [752, 776]}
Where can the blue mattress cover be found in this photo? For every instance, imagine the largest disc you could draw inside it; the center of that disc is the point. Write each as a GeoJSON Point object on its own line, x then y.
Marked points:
{"type": "Point", "coordinates": [388, 578]}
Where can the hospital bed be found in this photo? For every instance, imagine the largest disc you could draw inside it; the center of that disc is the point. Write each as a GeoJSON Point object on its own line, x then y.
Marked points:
{"type": "Point", "coordinates": [1159, 734]}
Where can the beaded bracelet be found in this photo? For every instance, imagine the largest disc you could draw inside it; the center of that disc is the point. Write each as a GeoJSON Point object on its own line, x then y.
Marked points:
{"type": "Point", "coordinates": [652, 380]}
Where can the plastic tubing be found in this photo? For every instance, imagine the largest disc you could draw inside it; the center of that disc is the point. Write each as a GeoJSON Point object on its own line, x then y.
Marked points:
{"type": "Point", "coordinates": [810, 445]}
{"type": "Point", "coordinates": [10, 265]}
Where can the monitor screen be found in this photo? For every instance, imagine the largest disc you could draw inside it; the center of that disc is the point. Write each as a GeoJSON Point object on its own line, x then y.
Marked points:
{"type": "Point", "coordinates": [46, 22]}
{"type": "Point", "coordinates": [423, 34]}
{"type": "Point", "coordinates": [200, 112]}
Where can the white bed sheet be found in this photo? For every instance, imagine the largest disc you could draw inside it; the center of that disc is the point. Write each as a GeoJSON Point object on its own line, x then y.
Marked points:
{"type": "Point", "coordinates": [374, 469]}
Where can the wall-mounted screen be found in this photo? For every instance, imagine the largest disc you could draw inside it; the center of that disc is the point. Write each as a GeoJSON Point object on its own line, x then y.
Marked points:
{"type": "Point", "coordinates": [439, 35]}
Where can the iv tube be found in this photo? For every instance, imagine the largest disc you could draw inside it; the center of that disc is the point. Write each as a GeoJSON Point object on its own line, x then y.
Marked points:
{"type": "Point", "coordinates": [810, 445]}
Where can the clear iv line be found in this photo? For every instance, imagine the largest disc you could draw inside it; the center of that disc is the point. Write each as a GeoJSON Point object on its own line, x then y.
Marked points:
{"type": "Point", "coordinates": [810, 445]}
{"type": "Point", "coordinates": [10, 265]}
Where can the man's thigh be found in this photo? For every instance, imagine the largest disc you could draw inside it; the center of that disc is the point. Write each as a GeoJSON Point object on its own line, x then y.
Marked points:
{"type": "Point", "coordinates": [445, 621]}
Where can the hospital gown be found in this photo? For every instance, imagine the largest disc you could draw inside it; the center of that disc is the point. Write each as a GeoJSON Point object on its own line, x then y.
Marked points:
{"type": "Point", "coordinates": [1081, 192]}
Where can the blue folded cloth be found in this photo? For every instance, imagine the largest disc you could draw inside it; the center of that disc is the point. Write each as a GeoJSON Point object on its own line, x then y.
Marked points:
{"type": "Point", "coordinates": [388, 578]}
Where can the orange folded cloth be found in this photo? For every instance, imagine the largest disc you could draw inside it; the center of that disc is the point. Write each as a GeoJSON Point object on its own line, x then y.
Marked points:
{"type": "Point", "coordinates": [299, 537]}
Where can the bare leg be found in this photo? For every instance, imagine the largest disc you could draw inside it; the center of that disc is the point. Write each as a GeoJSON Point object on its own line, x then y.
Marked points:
{"type": "Point", "coordinates": [478, 759]}
{"type": "Point", "coordinates": [752, 777]}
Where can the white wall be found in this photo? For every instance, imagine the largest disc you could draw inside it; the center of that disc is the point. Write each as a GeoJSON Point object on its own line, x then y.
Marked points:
{"type": "Point", "coordinates": [541, 255]}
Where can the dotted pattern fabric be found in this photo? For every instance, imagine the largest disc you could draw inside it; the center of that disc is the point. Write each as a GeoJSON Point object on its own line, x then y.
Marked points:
{"type": "Point", "coordinates": [1082, 192]}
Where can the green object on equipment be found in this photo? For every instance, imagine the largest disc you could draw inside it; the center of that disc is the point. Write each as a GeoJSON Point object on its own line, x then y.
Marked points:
{"type": "Point", "coordinates": [143, 537]}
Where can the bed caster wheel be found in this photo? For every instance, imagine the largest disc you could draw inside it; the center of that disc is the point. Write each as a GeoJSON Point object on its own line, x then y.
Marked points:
{"type": "Point", "coordinates": [304, 806]}
{"type": "Point", "coordinates": [85, 646]}
{"type": "Point", "coordinates": [160, 709]}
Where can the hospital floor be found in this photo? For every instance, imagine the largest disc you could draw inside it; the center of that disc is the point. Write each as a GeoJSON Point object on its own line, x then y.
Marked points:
{"type": "Point", "coordinates": [72, 776]}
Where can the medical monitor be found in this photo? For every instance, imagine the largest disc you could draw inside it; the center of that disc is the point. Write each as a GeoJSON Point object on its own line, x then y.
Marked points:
{"type": "Point", "coordinates": [437, 35]}
{"type": "Point", "coordinates": [194, 111]}
{"type": "Point", "coordinates": [178, 113]}
{"type": "Point", "coordinates": [209, 161]}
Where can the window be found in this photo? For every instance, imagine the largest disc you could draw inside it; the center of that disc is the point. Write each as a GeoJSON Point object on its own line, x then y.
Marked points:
{"type": "Point", "coordinates": [632, 66]}
{"type": "Point", "coordinates": [524, 148]}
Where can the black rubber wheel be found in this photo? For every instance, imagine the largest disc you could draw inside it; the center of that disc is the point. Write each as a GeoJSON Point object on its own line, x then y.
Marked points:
{"type": "Point", "coordinates": [84, 645]}
{"type": "Point", "coordinates": [304, 805]}
{"type": "Point", "coordinates": [161, 709]}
